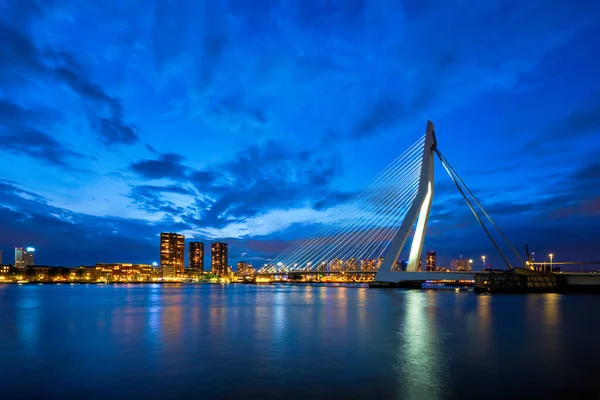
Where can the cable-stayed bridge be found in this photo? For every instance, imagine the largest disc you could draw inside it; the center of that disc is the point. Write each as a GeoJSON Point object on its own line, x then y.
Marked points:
{"type": "Point", "coordinates": [367, 233]}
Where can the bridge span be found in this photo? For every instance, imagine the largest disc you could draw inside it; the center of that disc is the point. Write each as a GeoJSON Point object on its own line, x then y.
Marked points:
{"type": "Point", "coordinates": [402, 275]}
{"type": "Point", "coordinates": [367, 234]}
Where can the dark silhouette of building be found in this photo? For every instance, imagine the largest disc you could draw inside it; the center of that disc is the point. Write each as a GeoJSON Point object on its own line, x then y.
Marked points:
{"type": "Point", "coordinates": [196, 255]}
{"type": "Point", "coordinates": [219, 258]}
{"type": "Point", "coordinates": [430, 261]}
{"type": "Point", "coordinates": [172, 247]}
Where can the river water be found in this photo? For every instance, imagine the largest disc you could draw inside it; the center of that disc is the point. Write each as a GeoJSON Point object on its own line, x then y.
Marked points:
{"type": "Point", "coordinates": [294, 342]}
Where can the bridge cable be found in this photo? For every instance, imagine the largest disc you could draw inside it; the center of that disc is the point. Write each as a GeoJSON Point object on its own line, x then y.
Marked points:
{"type": "Point", "coordinates": [481, 207]}
{"type": "Point", "coordinates": [386, 193]}
{"type": "Point", "coordinates": [348, 231]}
{"type": "Point", "coordinates": [359, 230]}
{"type": "Point", "coordinates": [302, 248]}
{"type": "Point", "coordinates": [473, 210]}
{"type": "Point", "coordinates": [342, 210]}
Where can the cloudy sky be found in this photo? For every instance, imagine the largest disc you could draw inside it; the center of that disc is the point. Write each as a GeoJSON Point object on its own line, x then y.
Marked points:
{"type": "Point", "coordinates": [247, 121]}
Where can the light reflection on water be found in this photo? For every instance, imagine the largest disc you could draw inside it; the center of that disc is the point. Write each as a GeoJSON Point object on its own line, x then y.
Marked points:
{"type": "Point", "coordinates": [29, 321]}
{"type": "Point", "coordinates": [417, 364]}
{"type": "Point", "coordinates": [212, 341]}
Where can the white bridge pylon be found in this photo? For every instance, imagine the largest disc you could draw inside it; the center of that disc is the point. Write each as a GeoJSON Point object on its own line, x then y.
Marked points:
{"type": "Point", "coordinates": [419, 209]}
{"type": "Point", "coordinates": [375, 222]}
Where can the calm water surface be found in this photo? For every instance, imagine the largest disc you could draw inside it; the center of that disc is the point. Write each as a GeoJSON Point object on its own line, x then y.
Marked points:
{"type": "Point", "coordinates": [245, 341]}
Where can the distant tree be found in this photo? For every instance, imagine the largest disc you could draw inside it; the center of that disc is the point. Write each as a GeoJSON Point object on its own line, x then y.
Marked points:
{"type": "Point", "coordinates": [30, 273]}
{"type": "Point", "coordinates": [54, 272]}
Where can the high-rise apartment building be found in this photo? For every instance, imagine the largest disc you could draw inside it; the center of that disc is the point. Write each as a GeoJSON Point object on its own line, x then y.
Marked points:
{"type": "Point", "coordinates": [430, 261]}
{"type": "Point", "coordinates": [219, 258]}
{"type": "Point", "coordinates": [243, 268]}
{"type": "Point", "coordinates": [196, 255]}
{"type": "Point", "coordinates": [172, 248]}
{"type": "Point", "coordinates": [24, 257]}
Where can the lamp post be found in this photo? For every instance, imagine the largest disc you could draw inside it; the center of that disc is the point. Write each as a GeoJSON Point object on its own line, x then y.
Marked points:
{"type": "Point", "coordinates": [483, 260]}
{"type": "Point", "coordinates": [551, 257]}
{"type": "Point", "coordinates": [470, 264]}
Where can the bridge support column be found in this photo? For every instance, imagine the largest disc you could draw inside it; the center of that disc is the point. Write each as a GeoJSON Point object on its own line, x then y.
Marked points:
{"type": "Point", "coordinates": [419, 209]}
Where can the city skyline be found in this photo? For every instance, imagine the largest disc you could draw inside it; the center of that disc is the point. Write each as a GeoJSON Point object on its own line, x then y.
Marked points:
{"type": "Point", "coordinates": [195, 257]}
{"type": "Point", "coordinates": [214, 132]}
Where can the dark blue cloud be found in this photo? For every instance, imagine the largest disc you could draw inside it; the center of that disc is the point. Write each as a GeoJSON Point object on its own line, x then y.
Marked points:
{"type": "Point", "coordinates": [259, 178]}
{"type": "Point", "coordinates": [168, 165]}
{"type": "Point", "coordinates": [24, 63]}
{"type": "Point", "coordinates": [20, 133]}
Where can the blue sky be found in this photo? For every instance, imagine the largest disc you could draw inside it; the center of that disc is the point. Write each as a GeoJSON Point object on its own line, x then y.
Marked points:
{"type": "Point", "coordinates": [247, 121]}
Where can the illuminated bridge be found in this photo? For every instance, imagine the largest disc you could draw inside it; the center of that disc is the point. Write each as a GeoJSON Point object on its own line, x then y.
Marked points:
{"type": "Point", "coordinates": [366, 234]}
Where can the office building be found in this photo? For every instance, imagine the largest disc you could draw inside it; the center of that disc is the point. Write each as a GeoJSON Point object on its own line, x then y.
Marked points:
{"type": "Point", "coordinates": [24, 257]}
{"type": "Point", "coordinates": [430, 261]}
{"type": "Point", "coordinates": [219, 258]}
{"type": "Point", "coordinates": [196, 255]}
{"type": "Point", "coordinates": [19, 263]}
{"type": "Point", "coordinates": [28, 256]}
{"type": "Point", "coordinates": [172, 247]}
{"type": "Point", "coordinates": [461, 265]}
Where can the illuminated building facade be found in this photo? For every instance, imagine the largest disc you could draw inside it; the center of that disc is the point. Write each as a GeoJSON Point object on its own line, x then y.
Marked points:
{"type": "Point", "coordinates": [461, 265]}
{"type": "Point", "coordinates": [172, 247]}
{"type": "Point", "coordinates": [367, 265]}
{"type": "Point", "coordinates": [4, 273]}
{"type": "Point", "coordinates": [117, 272]}
{"type": "Point", "coordinates": [351, 265]}
{"type": "Point", "coordinates": [219, 258]}
{"type": "Point", "coordinates": [24, 257]}
{"type": "Point", "coordinates": [169, 272]}
{"type": "Point", "coordinates": [243, 268]}
{"type": "Point", "coordinates": [336, 264]}
{"type": "Point", "coordinates": [431, 260]}
{"type": "Point", "coordinates": [196, 255]}
{"type": "Point", "coordinates": [28, 256]}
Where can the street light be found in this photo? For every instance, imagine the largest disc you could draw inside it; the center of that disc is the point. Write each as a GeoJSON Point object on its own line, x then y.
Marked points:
{"type": "Point", "coordinates": [551, 257]}
{"type": "Point", "coordinates": [470, 264]}
{"type": "Point", "coordinates": [483, 259]}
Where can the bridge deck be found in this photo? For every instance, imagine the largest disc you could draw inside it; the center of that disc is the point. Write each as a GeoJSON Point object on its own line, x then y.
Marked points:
{"type": "Point", "coordinates": [400, 275]}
